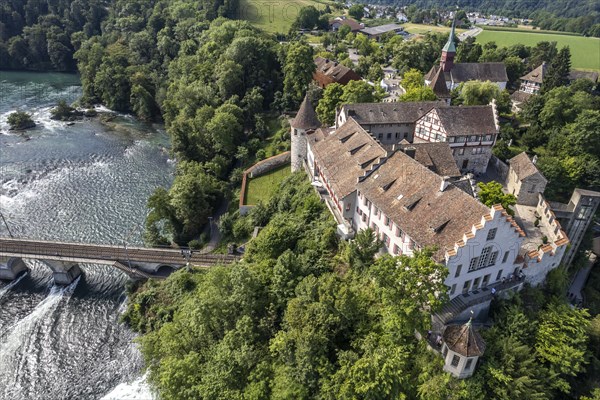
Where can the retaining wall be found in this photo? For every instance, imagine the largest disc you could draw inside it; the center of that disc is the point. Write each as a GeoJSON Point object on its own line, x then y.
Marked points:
{"type": "Point", "coordinates": [258, 169]}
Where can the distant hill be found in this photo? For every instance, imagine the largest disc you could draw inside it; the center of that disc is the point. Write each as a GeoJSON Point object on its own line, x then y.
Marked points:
{"type": "Point", "coordinates": [512, 8]}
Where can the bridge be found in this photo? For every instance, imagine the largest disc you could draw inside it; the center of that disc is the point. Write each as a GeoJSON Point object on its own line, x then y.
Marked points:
{"type": "Point", "coordinates": [64, 258]}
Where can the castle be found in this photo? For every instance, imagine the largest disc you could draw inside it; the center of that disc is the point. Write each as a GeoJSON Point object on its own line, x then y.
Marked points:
{"type": "Point", "coordinates": [396, 168]}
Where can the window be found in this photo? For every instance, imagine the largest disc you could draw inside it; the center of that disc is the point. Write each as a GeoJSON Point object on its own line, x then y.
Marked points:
{"type": "Point", "coordinates": [389, 135]}
{"type": "Point", "coordinates": [493, 259]}
{"type": "Point", "coordinates": [469, 363]}
{"type": "Point", "coordinates": [451, 139]}
{"type": "Point", "coordinates": [477, 150]}
{"type": "Point", "coordinates": [398, 232]}
{"type": "Point", "coordinates": [460, 139]}
{"type": "Point", "coordinates": [396, 250]}
{"type": "Point", "coordinates": [453, 289]}
{"type": "Point", "coordinates": [455, 361]}
{"type": "Point", "coordinates": [499, 275]}
{"type": "Point", "coordinates": [461, 151]}
{"type": "Point", "coordinates": [505, 257]}
{"type": "Point", "coordinates": [445, 351]}
{"type": "Point", "coordinates": [466, 286]}
{"type": "Point", "coordinates": [348, 207]}
{"type": "Point", "coordinates": [380, 136]}
{"type": "Point", "coordinates": [411, 245]}
{"type": "Point", "coordinates": [492, 234]}
{"type": "Point", "coordinates": [473, 264]}
{"type": "Point", "coordinates": [458, 270]}
{"type": "Point", "coordinates": [364, 218]}
{"type": "Point", "coordinates": [473, 138]}
{"type": "Point", "coordinates": [397, 135]}
{"type": "Point", "coordinates": [386, 240]}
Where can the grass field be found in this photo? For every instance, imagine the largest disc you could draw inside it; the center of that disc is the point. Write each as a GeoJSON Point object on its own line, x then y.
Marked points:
{"type": "Point", "coordinates": [585, 51]}
{"type": "Point", "coordinates": [263, 187]}
{"type": "Point", "coordinates": [422, 28]}
{"type": "Point", "coordinates": [275, 16]}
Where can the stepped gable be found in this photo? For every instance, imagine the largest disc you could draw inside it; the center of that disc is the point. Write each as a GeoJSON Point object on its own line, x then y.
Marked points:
{"type": "Point", "coordinates": [409, 194]}
{"type": "Point", "coordinates": [435, 156]}
{"type": "Point", "coordinates": [438, 85]}
{"type": "Point", "coordinates": [537, 75]}
{"type": "Point", "coordinates": [389, 113]}
{"type": "Point", "coordinates": [307, 117]}
{"type": "Point", "coordinates": [345, 155]}
{"type": "Point", "coordinates": [523, 166]}
{"type": "Point", "coordinates": [467, 120]}
{"type": "Point", "coordinates": [464, 340]}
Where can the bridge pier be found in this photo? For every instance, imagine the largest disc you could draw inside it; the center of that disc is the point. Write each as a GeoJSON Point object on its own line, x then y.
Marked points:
{"type": "Point", "coordinates": [64, 272]}
{"type": "Point", "coordinates": [11, 267]}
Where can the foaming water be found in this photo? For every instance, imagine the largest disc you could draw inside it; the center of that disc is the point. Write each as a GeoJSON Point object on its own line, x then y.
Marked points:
{"type": "Point", "coordinates": [84, 183]}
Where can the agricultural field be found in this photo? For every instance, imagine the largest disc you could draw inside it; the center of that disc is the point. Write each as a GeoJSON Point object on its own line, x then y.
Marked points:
{"type": "Point", "coordinates": [420, 29]}
{"type": "Point", "coordinates": [585, 51]}
{"type": "Point", "coordinates": [275, 16]}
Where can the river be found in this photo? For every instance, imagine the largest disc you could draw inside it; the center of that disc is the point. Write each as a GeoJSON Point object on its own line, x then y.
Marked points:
{"type": "Point", "coordinates": [84, 183]}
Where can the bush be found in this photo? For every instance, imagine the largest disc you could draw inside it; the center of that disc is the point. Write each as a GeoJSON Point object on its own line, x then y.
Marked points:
{"type": "Point", "coordinates": [20, 120]}
{"type": "Point", "coordinates": [195, 245]}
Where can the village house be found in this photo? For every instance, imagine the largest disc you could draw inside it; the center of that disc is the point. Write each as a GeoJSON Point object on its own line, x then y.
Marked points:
{"type": "Point", "coordinates": [376, 32]}
{"type": "Point", "coordinates": [329, 71]}
{"type": "Point", "coordinates": [456, 73]}
{"type": "Point", "coordinates": [336, 23]}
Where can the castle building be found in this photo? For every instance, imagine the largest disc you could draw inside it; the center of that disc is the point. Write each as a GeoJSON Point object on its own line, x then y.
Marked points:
{"type": "Point", "coordinates": [411, 196]}
{"type": "Point", "coordinates": [456, 73]}
{"type": "Point", "coordinates": [470, 131]}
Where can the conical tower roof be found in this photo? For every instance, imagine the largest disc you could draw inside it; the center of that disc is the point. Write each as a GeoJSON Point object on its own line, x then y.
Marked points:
{"type": "Point", "coordinates": [438, 84]}
{"type": "Point", "coordinates": [306, 117]}
{"type": "Point", "coordinates": [464, 340]}
{"type": "Point", "coordinates": [450, 47]}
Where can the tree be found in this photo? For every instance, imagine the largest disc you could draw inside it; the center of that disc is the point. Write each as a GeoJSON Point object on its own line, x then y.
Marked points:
{"type": "Point", "coordinates": [423, 93]}
{"type": "Point", "coordinates": [561, 342]}
{"type": "Point", "coordinates": [584, 132]}
{"type": "Point", "coordinates": [558, 71]}
{"type": "Point", "coordinates": [298, 69]}
{"type": "Point", "coordinates": [356, 11]}
{"type": "Point", "coordinates": [478, 93]}
{"type": "Point", "coordinates": [358, 92]}
{"type": "Point", "coordinates": [308, 18]}
{"type": "Point", "coordinates": [20, 120]}
{"type": "Point", "coordinates": [62, 111]}
{"type": "Point", "coordinates": [412, 79]}
{"type": "Point", "coordinates": [332, 98]}
{"type": "Point", "coordinates": [491, 193]}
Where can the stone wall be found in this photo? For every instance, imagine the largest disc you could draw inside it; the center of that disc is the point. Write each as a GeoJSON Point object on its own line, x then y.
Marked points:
{"type": "Point", "coordinates": [258, 169]}
{"type": "Point", "coordinates": [500, 168]}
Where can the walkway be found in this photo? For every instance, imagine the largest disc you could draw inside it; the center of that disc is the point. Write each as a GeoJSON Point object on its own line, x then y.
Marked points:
{"type": "Point", "coordinates": [580, 278]}
{"type": "Point", "coordinates": [103, 254]}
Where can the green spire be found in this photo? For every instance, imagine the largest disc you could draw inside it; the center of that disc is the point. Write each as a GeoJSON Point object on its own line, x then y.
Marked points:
{"type": "Point", "coordinates": [450, 47]}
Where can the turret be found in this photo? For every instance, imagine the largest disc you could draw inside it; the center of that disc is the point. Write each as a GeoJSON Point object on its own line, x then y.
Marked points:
{"type": "Point", "coordinates": [306, 120]}
{"type": "Point", "coordinates": [461, 348]}
{"type": "Point", "coordinates": [449, 50]}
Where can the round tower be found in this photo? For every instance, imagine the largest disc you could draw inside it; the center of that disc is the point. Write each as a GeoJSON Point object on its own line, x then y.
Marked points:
{"type": "Point", "coordinates": [461, 348]}
{"type": "Point", "coordinates": [306, 120]}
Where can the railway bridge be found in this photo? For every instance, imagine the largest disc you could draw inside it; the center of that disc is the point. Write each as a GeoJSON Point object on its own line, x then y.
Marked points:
{"type": "Point", "coordinates": [64, 258]}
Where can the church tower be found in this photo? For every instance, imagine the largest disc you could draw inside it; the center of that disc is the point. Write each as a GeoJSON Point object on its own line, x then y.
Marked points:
{"type": "Point", "coordinates": [306, 120]}
{"type": "Point", "coordinates": [449, 50]}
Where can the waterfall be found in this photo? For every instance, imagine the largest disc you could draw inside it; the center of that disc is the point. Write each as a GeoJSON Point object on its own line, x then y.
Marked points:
{"type": "Point", "coordinates": [11, 285]}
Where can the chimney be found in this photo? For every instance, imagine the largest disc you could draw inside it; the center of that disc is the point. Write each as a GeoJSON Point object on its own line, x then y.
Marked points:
{"type": "Point", "coordinates": [410, 151]}
{"type": "Point", "coordinates": [444, 184]}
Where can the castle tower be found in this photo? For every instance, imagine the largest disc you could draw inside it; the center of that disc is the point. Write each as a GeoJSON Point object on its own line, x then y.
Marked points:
{"type": "Point", "coordinates": [461, 348]}
{"type": "Point", "coordinates": [306, 120]}
{"type": "Point", "coordinates": [449, 51]}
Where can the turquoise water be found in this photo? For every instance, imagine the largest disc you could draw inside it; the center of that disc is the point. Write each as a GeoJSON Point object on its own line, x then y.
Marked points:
{"type": "Point", "coordinates": [85, 183]}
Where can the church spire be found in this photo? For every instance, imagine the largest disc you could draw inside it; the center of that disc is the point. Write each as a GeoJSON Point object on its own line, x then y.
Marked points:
{"type": "Point", "coordinates": [449, 50]}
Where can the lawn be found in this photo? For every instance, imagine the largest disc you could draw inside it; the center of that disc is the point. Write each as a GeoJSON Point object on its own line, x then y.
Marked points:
{"type": "Point", "coordinates": [263, 187]}
{"type": "Point", "coordinates": [585, 51]}
{"type": "Point", "coordinates": [422, 28]}
{"type": "Point", "coordinates": [275, 16]}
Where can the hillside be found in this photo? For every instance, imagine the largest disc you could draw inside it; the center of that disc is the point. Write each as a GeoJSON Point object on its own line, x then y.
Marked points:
{"type": "Point", "coordinates": [275, 17]}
